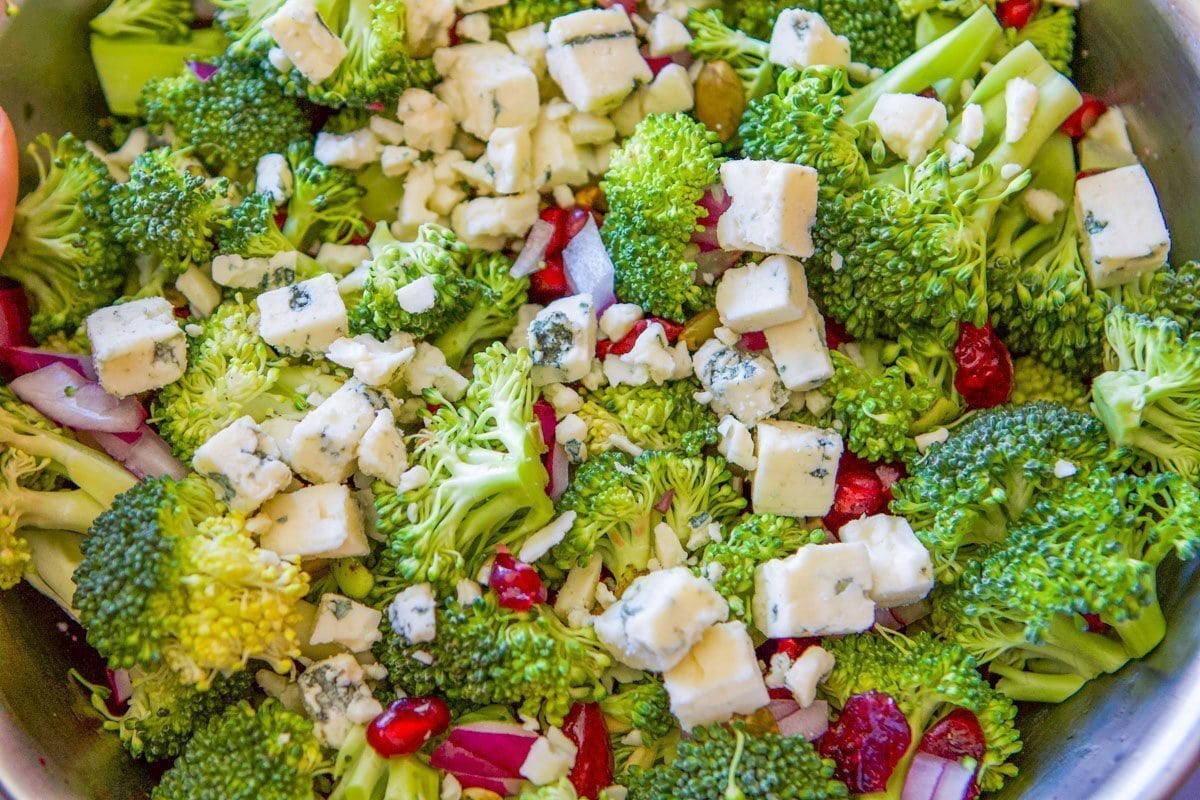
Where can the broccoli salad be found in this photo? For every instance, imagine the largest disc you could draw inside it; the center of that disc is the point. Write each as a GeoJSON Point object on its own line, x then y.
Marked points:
{"type": "Point", "coordinates": [561, 399]}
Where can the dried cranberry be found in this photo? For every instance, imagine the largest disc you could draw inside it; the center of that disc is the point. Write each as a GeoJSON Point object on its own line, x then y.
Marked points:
{"type": "Point", "coordinates": [867, 742]}
{"type": "Point", "coordinates": [792, 647]}
{"type": "Point", "coordinates": [455, 39]}
{"type": "Point", "coordinates": [361, 239]}
{"type": "Point", "coordinates": [657, 63]}
{"type": "Point", "coordinates": [557, 218]}
{"type": "Point", "coordinates": [593, 770]}
{"type": "Point", "coordinates": [985, 368]}
{"type": "Point", "coordinates": [576, 220]}
{"type": "Point", "coordinates": [407, 724]}
{"type": "Point", "coordinates": [550, 282]}
{"type": "Point", "coordinates": [836, 334]}
{"type": "Point", "coordinates": [929, 92]}
{"type": "Point", "coordinates": [281, 216]}
{"type": "Point", "coordinates": [628, 6]}
{"type": "Point", "coordinates": [1017, 13]}
{"type": "Point", "coordinates": [859, 493]}
{"type": "Point", "coordinates": [755, 341]}
{"type": "Point", "coordinates": [603, 349]}
{"type": "Point", "coordinates": [517, 584]}
{"type": "Point", "coordinates": [1084, 117]}
{"type": "Point", "coordinates": [626, 343]}
{"type": "Point", "coordinates": [1095, 624]}
{"type": "Point", "coordinates": [957, 736]}
{"type": "Point", "coordinates": [781, 694]}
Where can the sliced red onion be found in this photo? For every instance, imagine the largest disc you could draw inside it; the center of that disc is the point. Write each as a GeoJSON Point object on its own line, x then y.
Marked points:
{"type": "Point", "coordinates": [589, 269]}
{"type": "Point", "coordinates": [559, 469]}
{"type": "Point", "coordinates": [147, 456]}
{"type": "Point", "coordinates": [14, 317]}
{"type": "Point", "coordinates": [684, 58]}
{"type": "Point", "coordinates": [715, 202]}
{"type": "Point", "coordinates": [884, 618]}
{"type": "Point", "coordinates": [782, 707]}
{"type": "Point", "coordinates": [455, 758]}
{"type": "Point", "coordinates": [204, 10]}
{"type": "Point", "coordinates": [907, 615]}
{"type": "Point", "coordinates": [536, 243]}
{"type": "Point", "coordinates": [120, 684]}
{"type": "Point", "coordinates": [932, 778]}
{"type": "Point", "coordinates": [544, 412]}
{"type": "Point", "coordinates": [506, 787]}
{"type": "Point", "coordinates": [505, 745]}
{"type": "Point", "coordinates": [715, 262]}
{"type": "Point", "coordinates": [21, 360]}
{"type": "Point", "coordinates": [811, 722]}
{"type": "Point", "coordinates": [70, 399]}
{"type": "Point", "coordinates": [202, 70]}
{"type": "Point", "coordinates": [664, 503]}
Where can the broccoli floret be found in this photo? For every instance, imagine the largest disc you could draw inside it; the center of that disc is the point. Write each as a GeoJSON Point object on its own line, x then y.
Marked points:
{"type": "Point", "coordinates": [165, 20]}
{"type": "Point", "coordinates": [61, 250]}
{"type": "Point", "coordinates": [642, 707]}
{"type": "Point", "coordinates": [229, 121]}
{"type": "Point", "coordinates": [713, 40]}
{"type": "Point", "coordinates": [163, 712]}
{"type": "Point", "coordinates": [377, 66]}
{"type": "Point", "coordinates": [437, 256]}
{"type": "Point", "coordinates": [653, 417]}
{"type": "Point", "coordinates": [927, 678]}
{"type": "Point", "coordinates": [517, 14]}
{"type": "Point", "coordinates": [899, 391]}
{"type": "Point", "coordinates": [1052, 31]}
{"type": "Point", "coordinates": [324, 202]}
{"type": "Point", "coordinates": [730, 563]}
{"type": "Point", "coordinates": [559, 790]}
{"type": "Point", "coordinates": [487, 654]}
{"type": "Point", "coordinates": [961, 8]}
{"type": "Point", "coordinates": [617, 502]}
{"type": "Point", "coordinates": [1150, 399]}
{"type": "Point", "coordinates": [361, 772]}
{"type": "Point", "coordinates": [168, 213]}
{"type": "Point", "coordinates": [191, 590]}
{"type": "Point", "coordinates": [495, 298]}
{"type": "Point", "coordinates": [879, 34]}
{"type": "Point", "coordinates": [730, 763]}
{"type": "Point", "coordinates": [1167, 292]}
{"type": "Point", "coordinates": [653, 187]}
{"type": "Point", "coordinates": [967, 490]}
{"type": "Point", "coordinates": [247, 754]}
{"type": "Point", "coordinates": [253, 232]}
{"type": "Point", "coordinates": [231, 372]}
{"type": "Point", "coordinates": [1034, 381]}
{"type": "Point", "coordinates": [487, 485]}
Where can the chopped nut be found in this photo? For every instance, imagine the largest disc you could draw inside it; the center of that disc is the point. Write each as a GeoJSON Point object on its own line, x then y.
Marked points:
{"type": "Point", "coordinates": [720, 99]}
{"type": "Point", "coordinates": [591, 197]}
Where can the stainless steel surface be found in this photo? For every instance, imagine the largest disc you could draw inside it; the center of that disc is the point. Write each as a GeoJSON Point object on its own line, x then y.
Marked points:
{"type": "Point", "coordinates": [1132, 736]}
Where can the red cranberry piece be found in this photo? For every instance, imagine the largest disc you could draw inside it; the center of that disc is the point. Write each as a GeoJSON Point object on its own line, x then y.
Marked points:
{"type": "Point", "coordinates": [626, 343]}
{"type": "Point", "coordinates": [576, 219]}
{"type": "Point", "coordinates": [1017, 13]}
{"type": "Point", "coordinates": [755, 341]}
{"type": "Point", "coordinates": [792, 647]}
{"type": "Point", "coordinates": [517, 584]}
{"type": "Point", "coordinates": [407, 724]}
{"type": "Point", "coordinates": [985, 369]}
{"type": "Point", "coordinates": [593, 770]}
{"type": "Point", "coordinates": [859, 493]}
{"type": "Point", "coordinates": [836, 334]}
{"type": "Point", "coordinates": [281, 216]}
{"type": "Point", "coordinates": [628, 6]}
{"type": "Point", "coordinates": [550, 282]}
{"type": "Point", "coordinates": [557, 217]}
{"type": "Point", "coordinates": [867, 742]}
{"type": "Point", "coordinates": [1084, 117]}
{"type": "Point", "coordinates": [1095, 624]}
{"type": "Point", "coordinates": [657, 63]}
{"type": "Point", "coordinates": [957, 736]}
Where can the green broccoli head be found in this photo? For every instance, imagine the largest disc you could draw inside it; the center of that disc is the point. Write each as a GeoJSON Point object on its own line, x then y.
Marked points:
{"type": "Point", "coordinates": [714, 40]}
{"type": "Point", "coordinates": [641, 707]}
{"type": "Point", "coordinates": [192, 591]}
{"type": "Point", "coordinates": [729, 564]}
{"type": "Point", "coordinates": [229, 121]}
{"type": "Point", "coordinates": [730, 763]}
{"type": "Point", "coordinates": [879, 34]}
{"type": "Point", "coordinates": [62, 251]}
{"type": "Point", "coordinates": [559, 790]}
{"type": "Point", "coordinates": [231, 372]}
{"type": "Point", "coordinates": [487, 485]}
{"type": "Point", "coordinates": [618, 504]}
{"type": "Point", "coordinates": [517, 14]}
{"type": "Point", "coordinates": [967, 490]}
{"type": "Point", "coordinates": [960, 8]}
{"type": "Point", "coordinates": [324, 202]}
{"type": "Point", "coordinates": [485, 654]}
{"type": "Point", "coordinates": [1149, 399]}
{"type": "Point", "coordinates": [653, 187]}
{"type": "Point", "coordinates": [653, 417]}
{"type": "Point", "coordinates": [1051, 31]}
{"type": "Point", "coordinates": [252, 230]}
{"type": "Point", "coordinates": [927, 678]}
{"type": "Point", "coordinates": [495, 298]}
{"type": "Point", "coordinates": [435, 257]}
{"type": "Point", "coordinates": [165, 20]}
{"type": "Point", "coordinates": [1034, 381]}
{"type": "Point", "coordinates": [268, 753]}
{"type": "Point", "coordinates": [168, 213]}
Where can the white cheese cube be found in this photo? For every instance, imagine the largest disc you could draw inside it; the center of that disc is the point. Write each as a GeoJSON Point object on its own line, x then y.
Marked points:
{"type": "Point", "coordinates": [137, 346]}
{"type": "Point", "coordinates": [571, 433]}
{"type": "Point", "coordinates": [428, 122]}
{"type": "Point", "coordinates": [474, 28]}
{"type": "Point", "coordinates": [322, 447]}
{"type": "Point", "coordinates": [1121, 227]}
{"type": "Point", "coordinates": [508, 217]}
{"type": "Point", "coordinates": [273, 176]}
{"type": "Point", "coordinates": [321, 521]}
{"type": "Point", "coordinates": [1042, 205]}
{"type": "Point", "coordinates": [670, 92]}
{"type": "Point", "coordinates": [540, 542]}
{"type": "Point", "coordinates": [550, 759]}
{"type": "Point", "coordinates": [619, 319]}
{"type": "Point", "coordinates": [389, 131]}
{"type": "Point", "coordinates": [304, 318]}
{"type": "Point", "coordinates": [562, 340]}
{"type": "Point", "coordinates": [557, 160]}
{"type": "Point", "coordinates": [519, 338]}
{"type": "Point", "coordinates": [741, 383]}
{"type": "Point", "coordinates": [471, 6]}
{"type": "Point", "coordinates": [812, 667]}
{"type": "Point", "coordinates": [344, 622]}
{"type": "Point", "coordinates": [564, 399]}
{"type": "Point", "coordinates": [927, 440]}
{"type": "Point", "coordinates": [245, 464]}
{"type": "Point", "coordinates": [530, 44]}
{"type": "Point", "coordinates": [337, 698]}
{"type": "Point", "coordinates": [488, 87]}
{"type": "Point", "coordinates": [259, 274]}
{"type": "Point", "coordinates": [593, 57]}
{"type": "Point", "coordinates": [737, 443]}
{"type": "Point", "coordinates": [1064, 469]}
{"type": "Point", "coordinates": [717, 679]}
{"type": "Point", "coordinates": [590, 129]}
{"type": "Point", "coordinates": [419, 187]}
{"type": "Point", "coordinates": [760, 296]}
{"type": "Point", "coordinates": [627, 116]}
{"type": "Point", "coordinates": [341, 259]}
{"type": "Point", "coordinates": [428, 23]}
{"type": "Point", "coordinates": [909, 124]}
{"type": "Point", "coordinates": [1020, 103]}
{"type": "Point", "coordinates": [417, 296]}
{"type": "Point", "coordinates": [381, 452]}
{"type": "Point", "coordinates": [652, 358]}
{"type": "Point", "coordinates": [822, 590]}
{"type": "Point", "coordinates": [659, 618]}
{"type": "Point", "coordinates": [575, 599]}
{"type": "Point", "coordinates": [773, 209]}
{"type": "Point", "coordinates": [901, 571]}
{"type": "Point", "coordinates": [396, 161]}
{"type": "Point", "coordinates": [375, 363]}
{"type": "Point", "coordinates": [305, 39]}
{"type": "Point", "coordinates": [971, 127]}
{"type": "Point", "coordinates": [353, 150]}
{"type": "Point", "coordinates": [803, 39]}
{"type": "Point", "coordinates": [467, 591]}
{"type": "Point", "coordinates": [510, 159]}
{"type": "Point", "coordinates": [428, 370]}
{"type": "Point", "coordinates": [799, 352]}
{"type": "Point", "coordinates": [668, 550]}
{"type": "Point", "coordinates": [797, 469]}
{"type": "Point", "coordinates": [667, 36]}
{"type": "Point", "coordinates": [413, 614]}
{"type": "Point", "coordinates": [1107, 145]}
{"type": "Point", "coordinates": [198, 289]}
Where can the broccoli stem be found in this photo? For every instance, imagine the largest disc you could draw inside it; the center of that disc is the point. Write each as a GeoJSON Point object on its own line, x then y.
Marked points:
{"type": "Point", "coordinates": [55, 557]}
{"type": "Point", "coordinates": [126, 63]}
{"type": "Point", "coordinates": [1036, 687]}
{"type": "Point", "coordinates": [1143, 634]}
{"type": "Point", "coordinates": [71, 510]}
{"type": "Point", "coordinates": [95, 473]}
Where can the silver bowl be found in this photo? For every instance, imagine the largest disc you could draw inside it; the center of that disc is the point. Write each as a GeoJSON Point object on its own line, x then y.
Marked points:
{"type": "Point", "coordinates": [1130, 736]}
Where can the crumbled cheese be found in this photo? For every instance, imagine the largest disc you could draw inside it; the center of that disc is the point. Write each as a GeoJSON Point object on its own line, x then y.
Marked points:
{"type": "Point", "coordinates": [1020, 102]}
{"type": "Point", "coordinates": [412, 614]}
{"type": "Point", "coordinates": [137, 346]}
{"type": "Point", "coordinates": [541, 542]}
{"type": "Point", "coordinates": [320, 521]}
{"type": "Point", "coordinates": [244, 464]}
{"type": "Point", "coordinates": [909, 124]}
